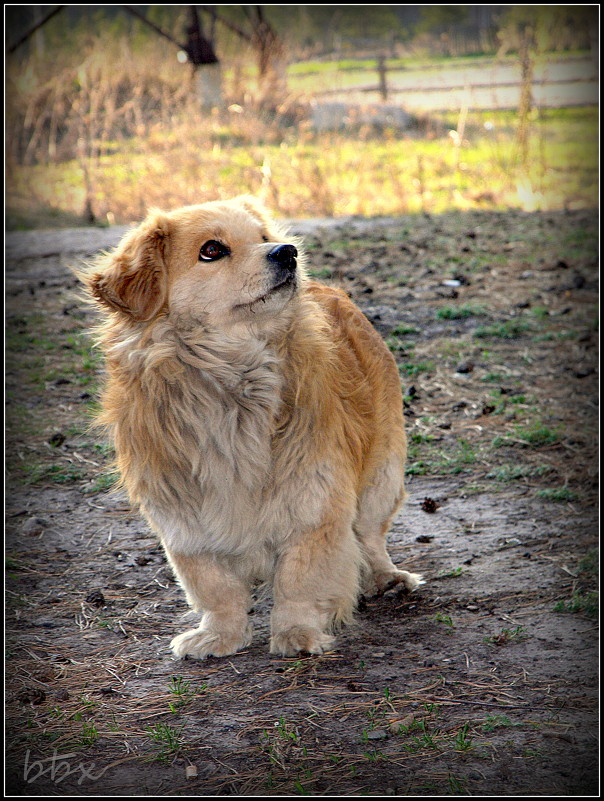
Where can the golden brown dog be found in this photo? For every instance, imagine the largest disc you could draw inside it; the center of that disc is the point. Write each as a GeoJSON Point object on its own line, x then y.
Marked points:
{"type": "Point", "coordinates": [257, 421]}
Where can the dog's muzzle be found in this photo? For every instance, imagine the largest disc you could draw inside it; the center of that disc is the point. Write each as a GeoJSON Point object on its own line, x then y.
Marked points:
{"type": "Point", "coordinates": [283, 262]}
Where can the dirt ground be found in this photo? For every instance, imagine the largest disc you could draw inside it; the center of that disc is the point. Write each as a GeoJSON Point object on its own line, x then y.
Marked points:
{"type": "Point", "coordinates": [484, 682]}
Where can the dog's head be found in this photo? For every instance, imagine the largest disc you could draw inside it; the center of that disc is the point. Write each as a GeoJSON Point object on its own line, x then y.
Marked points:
{"type": "Point", "coordinates": [216, 264]}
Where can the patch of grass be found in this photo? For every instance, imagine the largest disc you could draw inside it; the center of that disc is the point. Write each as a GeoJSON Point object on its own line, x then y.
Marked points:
{"type": "Point", "coordinates": [419, 437]}
{"type": "Point", "coordinates": [494, 722]}
{"type": "Point", "coordinates": [507, 636]}
{"type": "Point", "coordinates": [456, 571]}
{"type": "Point", "coordinates": [89, 734]}
{"type": "Point", "coordinates": [515, 472]}
{"type": "Point", "coordinates": [182, 692]}
{"type": "Point", "coordinates": [583, 604]}
{"type": "Point", "coordinates": [43, 472]}
{"type": "Point", "coordinates": [459, 459]}
{"type": "Point", "coordinates": [533, 435]}
{"type": "Point", "coordinates": [507, 329]}
{"type": "Point", "coordinates": [416, 369]}
{"type": "Point", "coordinates": [462, 741]}
{"type": "Point", "coordinates": [103, 483]}
{"type": "Point", "coordinates": [397, 345]}
{"type": "Point", "coordinates": [457, 786]}
{"type": "Point", "coordinates": [461, 312]}
{"type": "Point", "coordinates": [281, 742]}
{"type": "Point", "coordinates": [167, 739]}
{"type": "Point", "coordinates": [403, 330]}
{"type": "Point", "coordinates": [446, 620]}
{"type": "Point", "coordinates": [11, 563]}
{"type": "Point", "coordinates": [590, 563]}
{"type": "Point", "coordinates": [537, 434]}
{"type": "Point", "coordinates": [557, 494]}
{"type": "Point", "coordinates": [417, 468]}
{"type": "Point", "coordinates": [321, 272]}
{"type": "Point", "coordinates": [425, 738]}
{"type": "Point", "coordinates": [493, 377]}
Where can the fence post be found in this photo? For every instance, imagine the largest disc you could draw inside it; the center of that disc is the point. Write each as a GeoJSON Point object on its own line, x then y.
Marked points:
{"type": "Point", "coordinates": [381, 68]}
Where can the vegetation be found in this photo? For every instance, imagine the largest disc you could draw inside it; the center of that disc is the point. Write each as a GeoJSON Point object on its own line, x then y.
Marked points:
{"type": "Point", "coordinates": [103, 124]}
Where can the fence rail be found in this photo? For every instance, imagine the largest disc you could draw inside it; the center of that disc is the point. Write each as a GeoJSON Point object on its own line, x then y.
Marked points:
{"type": "Point", "coordinates": [569, 82]}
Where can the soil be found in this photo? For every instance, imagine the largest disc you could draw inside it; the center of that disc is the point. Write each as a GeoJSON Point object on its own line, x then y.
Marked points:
{"type": "Point", "coordinates": [483, 682]}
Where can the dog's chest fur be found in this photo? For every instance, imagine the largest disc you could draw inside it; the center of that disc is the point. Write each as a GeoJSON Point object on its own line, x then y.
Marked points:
{"type": "Point", "coordinates": [205, 458]}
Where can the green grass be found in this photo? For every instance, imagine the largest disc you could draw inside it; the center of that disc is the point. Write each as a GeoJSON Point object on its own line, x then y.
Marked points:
{"type": "Point", "coordinates": [415, 369]}
{"type": "Point", "coordinates": [537, 434]}
{"type": "Point", "coordinates": [325, 174]}
{"type": "Point", "coordinates": [463, 742]}
{"type": "Point", "coordinates": [534, 435]}
{"type": "Point", "coordinates": [558, 494]}
{"type": "Point", "coordinates": [166, 739]}
{"type": "Point", "coordinates": [403, 329]}
{"type": "Point", "coordinates": [507, 329]}
{"type": "Point", "coordinates": [494, 722]}
{"type": "Point", "coordinates": [507, 636]}
{"type": "Point", "coordinates": [582, 604]}
{"type": "Point", "coordinates": [458, 459]}
{"type": "Point", "coordinates": [461, 312]}
{"type": "Point", "coordinates": [515, 472]}
{"type": "Point", "coordinates": [48, 473]}
{"type": "Point", "coordinates": [590, 563]}
{"type": "Point", "coordinates": [103, 483]}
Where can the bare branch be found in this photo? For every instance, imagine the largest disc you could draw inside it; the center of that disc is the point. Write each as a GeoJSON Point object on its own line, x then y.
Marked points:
{"type": "Point", "coordinates": [144, 19]}
{"type": "Point", "coordinates": [39, 24]}
{"type": "Point", "coordinates": [227, 23]}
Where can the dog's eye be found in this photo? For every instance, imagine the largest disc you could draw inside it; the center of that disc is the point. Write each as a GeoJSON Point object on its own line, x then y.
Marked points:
{"type": "Point", "coordinates": [213, 250]}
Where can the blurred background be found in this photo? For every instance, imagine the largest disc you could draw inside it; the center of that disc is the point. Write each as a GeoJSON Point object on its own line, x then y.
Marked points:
{"type": "Point", "coordinates": [319, 110]}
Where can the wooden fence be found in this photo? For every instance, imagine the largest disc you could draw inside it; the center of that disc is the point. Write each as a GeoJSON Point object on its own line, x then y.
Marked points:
{"type": "Point", "coordinates": [488, 84]}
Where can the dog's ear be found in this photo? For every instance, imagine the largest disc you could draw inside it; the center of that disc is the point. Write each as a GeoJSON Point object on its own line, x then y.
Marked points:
{"type": "Point", "coordinates": [133, 278]}
{"type": "Point", "coordinates": [257, 209]}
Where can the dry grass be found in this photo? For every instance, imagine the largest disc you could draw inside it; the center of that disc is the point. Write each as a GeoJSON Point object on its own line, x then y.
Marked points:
{"type": "Point", "coordinates": [111, 132]}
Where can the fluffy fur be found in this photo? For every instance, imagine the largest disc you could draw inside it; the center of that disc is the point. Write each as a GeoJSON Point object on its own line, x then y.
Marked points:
{"type": "Point", "coordinates": [257, 421]}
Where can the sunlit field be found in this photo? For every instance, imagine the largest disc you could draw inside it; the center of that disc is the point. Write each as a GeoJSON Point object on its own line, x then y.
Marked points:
{"type": "Point", "coordinates": [118, 134]}
{"type": "Point", "coordinates": [332, 174]}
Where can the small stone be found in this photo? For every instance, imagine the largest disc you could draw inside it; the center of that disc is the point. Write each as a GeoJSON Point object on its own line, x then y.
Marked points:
{"type": "Point", "coordinates": [377, 734]}
{"type": "Point", "coordinates": [95, 598]}
{"type": "Point", "coordinates": [34, 526]}
{"type": "Point", "coordinates": [32, 695]}
{"type": "Point", "coordinates": [464, 367]}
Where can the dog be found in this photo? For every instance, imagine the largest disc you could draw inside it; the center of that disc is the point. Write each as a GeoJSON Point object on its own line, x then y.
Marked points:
{"type": "Point", "coordinates": [257, 420]}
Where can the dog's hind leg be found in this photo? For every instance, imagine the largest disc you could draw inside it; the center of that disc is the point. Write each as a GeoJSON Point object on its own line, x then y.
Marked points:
{"type": "Point", "coordinates": [224, 599]}
{"type": "Point", "coordinates": [377, 506]}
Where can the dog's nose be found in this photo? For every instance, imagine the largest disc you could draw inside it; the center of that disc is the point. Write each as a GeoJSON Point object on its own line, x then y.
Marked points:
{"type": "Point", "coordinates": [284, 256]}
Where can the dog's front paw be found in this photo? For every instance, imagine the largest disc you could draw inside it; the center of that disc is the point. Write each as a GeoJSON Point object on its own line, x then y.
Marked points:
{"type": "Point", "coordinates": [201, 642]}
{"type": "Point", "coordinates": [300, 639]}
{"type": "Point", "coordinates": [397, 579]}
